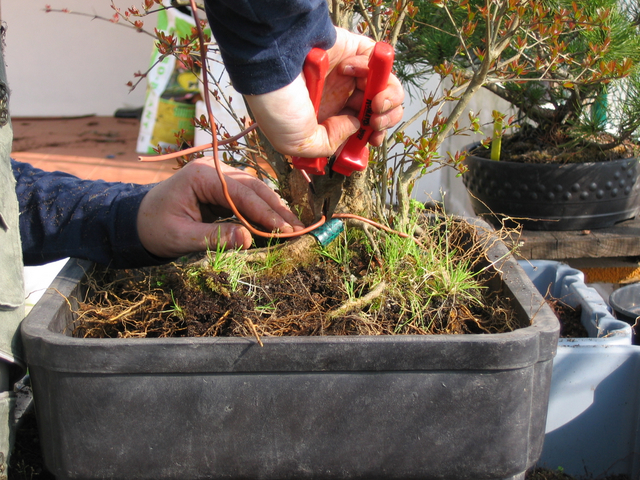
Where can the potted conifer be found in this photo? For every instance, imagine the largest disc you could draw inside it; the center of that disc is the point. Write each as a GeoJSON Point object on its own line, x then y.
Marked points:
{"type": "Point", "coordinates": [566, 158]}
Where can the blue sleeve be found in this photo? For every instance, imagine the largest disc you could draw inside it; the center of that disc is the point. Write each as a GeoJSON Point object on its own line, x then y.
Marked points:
{"type": "Point", "coordinates": [64, 216]}
{"type": "Point", "coordinates": [263, 43]}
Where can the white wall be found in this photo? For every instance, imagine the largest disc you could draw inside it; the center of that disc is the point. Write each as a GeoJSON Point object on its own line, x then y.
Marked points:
{"type": "Point", "coordinates": [61, 64]}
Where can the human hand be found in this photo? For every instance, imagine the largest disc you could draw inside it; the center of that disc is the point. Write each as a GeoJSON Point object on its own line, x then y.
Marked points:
{"type": "Point", "coordinates": [170, 220]}
{"type": "Point", "coordinates": [287, 117]}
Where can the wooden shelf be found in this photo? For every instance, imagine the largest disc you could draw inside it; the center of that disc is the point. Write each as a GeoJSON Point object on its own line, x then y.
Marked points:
{"type": "Point", "coordinates": [621, 240]}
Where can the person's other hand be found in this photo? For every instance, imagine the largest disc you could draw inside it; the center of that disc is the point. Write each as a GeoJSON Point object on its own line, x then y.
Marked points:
{"type": "Point", "coordinates": [172, 215]}
{"type": "Point", "coordinates": [287, 118]}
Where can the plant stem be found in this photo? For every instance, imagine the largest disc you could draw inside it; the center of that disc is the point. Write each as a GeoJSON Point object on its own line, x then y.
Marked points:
{"type": "Point", "coordinates": [496, 141]}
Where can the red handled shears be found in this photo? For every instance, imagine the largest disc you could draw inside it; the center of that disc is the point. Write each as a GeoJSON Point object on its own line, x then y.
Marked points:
{"type": "Point", "coordinates": [328, 174]}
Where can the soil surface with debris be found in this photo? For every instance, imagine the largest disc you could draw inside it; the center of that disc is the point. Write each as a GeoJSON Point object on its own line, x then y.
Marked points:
{"type": "Point", "coordinates": [527, 146]}
{"type": "Point", "coordinates": [303, 300]}
{"type": "Point", "coordinates": [570, 319]}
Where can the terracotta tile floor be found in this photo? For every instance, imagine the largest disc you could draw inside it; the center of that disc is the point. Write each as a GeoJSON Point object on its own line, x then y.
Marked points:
{"type": "Point", "coordinates": [88, 147]}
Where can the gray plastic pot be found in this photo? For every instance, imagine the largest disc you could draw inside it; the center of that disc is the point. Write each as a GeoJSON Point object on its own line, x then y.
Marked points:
{"type": "Point", "coordinates": [447, 407]}
{"type": "Point", "coordinates": [625, 302]}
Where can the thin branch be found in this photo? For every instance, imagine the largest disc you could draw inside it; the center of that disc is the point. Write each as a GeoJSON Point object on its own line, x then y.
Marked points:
{"type": "Point", "coordinates": [395, 33]}
{"type": "Point", "coordinates": [367, 18]}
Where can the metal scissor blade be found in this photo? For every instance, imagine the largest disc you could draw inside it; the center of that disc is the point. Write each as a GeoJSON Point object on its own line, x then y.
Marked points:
{"type": "Point", "coordinates": [326, 191]}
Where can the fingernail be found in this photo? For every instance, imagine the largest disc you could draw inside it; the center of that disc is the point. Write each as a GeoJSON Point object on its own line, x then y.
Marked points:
{"type": "Point", "coordinates": [348, 70]}
{"type": "Point", "coordinates": [237, 237]}
{"type": "Point", "coordinates": [386, 106]}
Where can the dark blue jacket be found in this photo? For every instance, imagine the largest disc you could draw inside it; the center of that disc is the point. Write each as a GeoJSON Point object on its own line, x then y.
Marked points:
{"type": "Point", "coordinates": [264, 42]}
{"type": "Point", "coordinates": [64, 216]}
{"type": "Point", "coordinates": [263, 45]}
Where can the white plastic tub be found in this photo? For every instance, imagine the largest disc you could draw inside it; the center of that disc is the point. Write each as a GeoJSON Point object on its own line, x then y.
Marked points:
{"type": "Point", "coordinates": [592, 421]}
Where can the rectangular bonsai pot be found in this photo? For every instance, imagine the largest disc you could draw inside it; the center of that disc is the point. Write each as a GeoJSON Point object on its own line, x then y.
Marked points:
{"type": "Point", "coordinates": [447, 407]}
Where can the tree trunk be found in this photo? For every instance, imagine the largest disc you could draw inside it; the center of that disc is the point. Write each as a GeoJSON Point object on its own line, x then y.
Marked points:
{"type": "Point", "coordinates": [355, 198]}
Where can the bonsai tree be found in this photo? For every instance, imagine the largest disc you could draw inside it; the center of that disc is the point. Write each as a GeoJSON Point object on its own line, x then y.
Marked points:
{"type": "Point", "coordinates": [560, 65]}
{"type": "Point", "coordinates": [443, 264]}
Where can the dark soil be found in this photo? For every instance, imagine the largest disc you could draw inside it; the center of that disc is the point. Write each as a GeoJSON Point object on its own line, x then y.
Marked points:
{"type": "Point", "coordinates": [570, 322]}
{"type": "Point", "coordinates": [26, 460]}
{"type": "Point", "coordinates": [531, 146]}
{"type": "Point", "coordinates": [293, 299]}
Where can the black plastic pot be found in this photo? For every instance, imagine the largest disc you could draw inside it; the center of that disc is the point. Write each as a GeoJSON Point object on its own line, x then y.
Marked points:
{"type": "Point", "coordinates": [447, 407]}
{"type": "Point", "coordinates": [553, 197]}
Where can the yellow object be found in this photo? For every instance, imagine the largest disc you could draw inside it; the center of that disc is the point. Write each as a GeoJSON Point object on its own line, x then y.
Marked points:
{"type": "Point", "coordinates": [172, 117]}
{"type": "Point", "coordinates": [611, 274]}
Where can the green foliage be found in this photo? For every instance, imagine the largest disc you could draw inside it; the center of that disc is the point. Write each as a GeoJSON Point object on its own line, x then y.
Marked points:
{"type": "Point", "coordinates": [434, 41]}
{"type": "Point", "coordinates": [425, 279]}
{"type": "Point", "coordinates": [176, 310]}
{"type": "Point", "coordinates": [557, 56]}
{"type": "Point", "coordinates": [231, 263]}
{"type": "Point", "coordinates": [340, 249]}
{"type": "Point", "coordinates": [273, 258]}
{"type": "Point", "coordinates": [437, 273]}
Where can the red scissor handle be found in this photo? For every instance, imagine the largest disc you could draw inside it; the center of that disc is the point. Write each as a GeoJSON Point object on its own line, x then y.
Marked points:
{"type": "Point", "coordinates": [315, 70]}
{"type": "Point", "coordinates": [355, 154]}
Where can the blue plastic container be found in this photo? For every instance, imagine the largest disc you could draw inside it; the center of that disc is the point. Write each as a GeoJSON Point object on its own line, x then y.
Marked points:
{"type": "Point", "coordinates": [567, 284]}
{"type": "Point", "coordinates": [593, 421]}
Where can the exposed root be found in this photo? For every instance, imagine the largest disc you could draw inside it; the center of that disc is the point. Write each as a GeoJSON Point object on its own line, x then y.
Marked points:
{"type": "Point", "coordinates": [366, 228]}
{"type": "Point", "coordinates": [300, 250]}
{"type": "Point", "coordinates": [358, 303]}
{"type": "Point", "coordinates": [255, 332]}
